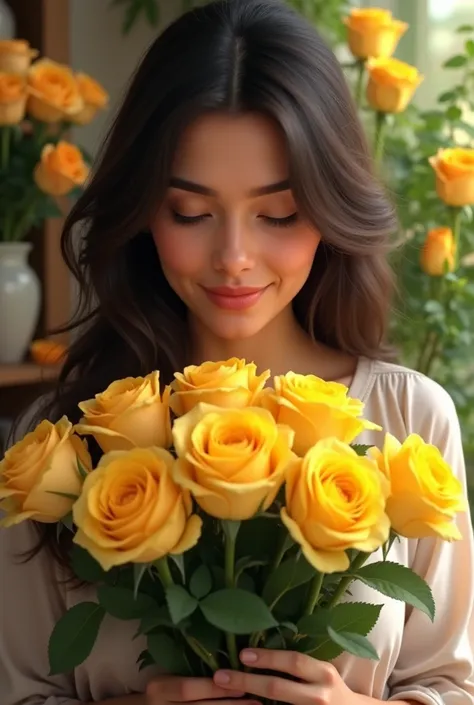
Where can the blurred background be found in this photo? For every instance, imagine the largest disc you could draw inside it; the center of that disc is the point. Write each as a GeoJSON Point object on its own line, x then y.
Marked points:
{"type": "Point", "coordinates": [101, 42]}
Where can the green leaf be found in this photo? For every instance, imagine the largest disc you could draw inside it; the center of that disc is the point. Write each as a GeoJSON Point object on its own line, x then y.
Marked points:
{"type": "Point", "coordinates": [168, 654]}
{"type": "Point", "coordinates": [179, 563]}
{"type": "Point", "coordinates": [455, 62]}
{"type": "Point", "coordinates": [400, 583]}
{"type": "Point", "coordinates": [67, 522]}
{"type": "Point", "coordinates": [289, 574]}
{"type": "Point", "coordinates": [236, 611]}
{"type": "Point", "coordinates": [453, 113]}
{"type": "Point", "coordinates": [121, 603]}
{"type": "Point", "coordinates": [469, 46]}
{"type": "Point", "coordinates": [160, 617]}
{"type": "Point", "coordinates": [347, 617]}
{"type": "Point", "coordinates": [354, 644]}
{"type": "Point", "coordinates": [81, 469]}
{"type": "Point", "coordinates": [465, 28]}
{"type": "Point", "coordinates": [200, 584]}
{"type": "Point", "coordinates": [180, 603]}
{"type": "Point", "coordinates": [447, 97]}
{"type": "Point", "coordinates": [139, 570]}
{"type": "Point", "coordinates": [247, 562]}
{"type": "Point", "coordinates": [85, 567]}
{"type": "Point", "coordinates": [152, 12]}
{"type": "Point", "coordinates": [360, 448]}
{"type": "Point", "coordinates": [74, 636]}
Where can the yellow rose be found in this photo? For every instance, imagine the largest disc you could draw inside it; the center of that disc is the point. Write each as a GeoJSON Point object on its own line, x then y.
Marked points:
{"type": "Point", "coordinates": [16, 56]}
{"type": "Point", "coordinates": [454, 169]}
{"type": "Point", "coordinates": [391, 84]}
{"type": "Point", "coordinates": [314, 409]}
{"type": "Point", "coordinates": [438, 253]}
{"type": "Point", "coordinates": [232, 383]}
{"type": "Point", "coordinates": [54, 92]}
{"type": "Point", "coordinates": [130, 413]}
{"type": "Point", "coordinates": [61, 169]}
{"type": "Point", "coordinates": [233, 461]}
{"type": "Point", "coordinates": [335, 501]}
{"type": "Point", "coordinates": [373, 32]}
{"type": "Point", "coordinates": [13, 97]}
{"type": "Point", "coordinates": [42, 463]}
{"type": "Point", "coordinates": [94, 96]}
{"type": "Point", "coordinates": [425, 496]}
{"type": "Point", "coordinates": [131, 510]}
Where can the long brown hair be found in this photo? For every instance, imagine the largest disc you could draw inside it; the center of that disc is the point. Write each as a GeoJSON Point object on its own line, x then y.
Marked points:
{"type": "Point", "coordinates": [231, 55]}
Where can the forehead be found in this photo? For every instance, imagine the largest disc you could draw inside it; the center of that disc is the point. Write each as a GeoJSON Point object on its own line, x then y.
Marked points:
{"type": "Point", "coordinates": [219, 150]}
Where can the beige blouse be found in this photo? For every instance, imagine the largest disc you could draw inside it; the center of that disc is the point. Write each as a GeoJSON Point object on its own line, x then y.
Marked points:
{"type": "Point", "coordinates": [419, 661]}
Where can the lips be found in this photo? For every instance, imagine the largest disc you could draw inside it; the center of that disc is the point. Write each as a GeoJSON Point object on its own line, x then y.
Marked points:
{"type": "Point", "coordinates": [235, 298]}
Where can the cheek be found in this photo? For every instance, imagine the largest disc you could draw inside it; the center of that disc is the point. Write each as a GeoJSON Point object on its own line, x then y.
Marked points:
{"type": "Point", "coordinates": [293, 256]}
{"type": "Point", "coordinates": [181, 254]}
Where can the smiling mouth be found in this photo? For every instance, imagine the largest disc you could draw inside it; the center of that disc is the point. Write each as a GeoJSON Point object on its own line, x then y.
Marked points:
{"type": "Point", "coordinates": [235, 298]}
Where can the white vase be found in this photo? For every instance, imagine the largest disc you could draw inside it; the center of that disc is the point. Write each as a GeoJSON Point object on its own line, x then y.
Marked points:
{"type": "Point", "coordinates": [7, 21]}
{"type": "Point", "coordinates": [20, 298]}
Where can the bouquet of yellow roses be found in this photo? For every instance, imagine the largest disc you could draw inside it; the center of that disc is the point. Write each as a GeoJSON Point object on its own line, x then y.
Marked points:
{"type": "Point", "coordinates": [225, 513]}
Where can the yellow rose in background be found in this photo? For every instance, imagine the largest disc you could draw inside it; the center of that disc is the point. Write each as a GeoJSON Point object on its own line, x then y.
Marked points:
{"type": "Point", "coordinates": [94, 96]}
{"type": "Point", "coordinates": [53, 92]}
{"type": "Point", "coordinates": [425, 495]}
{"type": "Point", "coordinates": [42, 463]}
{"type": "Point", "coordinates": [373, 32]}
{"type": "Point", "coordinates": [438, 253]}
{"type": "Point", "coordinates": [454, 169]}
{"type": "Point", "coordinates": [232, 383]}
{"type": "Point", "coordinates": [335, 501]}
{"type": "Point", "coordinates": [61, 169]}
{"type": "Point", "coordinates": [13, 97]}
{"type": "Point", "coordinates": [314, 409]}
{"type": "Point", "coordinates": [16, 56]}
{"type": "Point", "coordinates": [130, 510]}
{"type": "Point", "coordinates": [391, 84]}
{"type": "Point", "coordinates": [130, 413]}
{"type": "Point", "coordinates": [233, 461]}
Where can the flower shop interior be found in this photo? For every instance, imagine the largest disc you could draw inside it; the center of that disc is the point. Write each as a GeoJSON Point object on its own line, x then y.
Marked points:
{"type": "Point", "coordinates": [98, 43]}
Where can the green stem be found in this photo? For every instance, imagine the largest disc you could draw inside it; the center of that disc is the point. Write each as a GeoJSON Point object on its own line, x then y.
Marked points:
{"type": "Point", "coordinates": [229, 568]}
{"type": "Point", "coordinates": [315, 591]}
{"type": "Point", "coordinates": [283, 546]}
{"type": "Point", "coordinates": [166, 578]}
{"type": "Point", "coordinates": [340, 591]}
{"type": "Point", "coordinates": [456, 219]}
{"type": "Point", "coordinates": [24, 223]}
{"type": "Point", "coordinates": [380, 123]}
{"type": "Point", "coordinates": [6, 140]}
{"type": "Point", "coordinates": [360, 83]}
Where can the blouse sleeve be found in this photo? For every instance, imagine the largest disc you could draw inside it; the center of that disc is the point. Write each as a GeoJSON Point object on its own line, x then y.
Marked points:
{"type": "Point", "coordinates": [435, 665]}
{"type": "Point", "coordinates": [32, 599]}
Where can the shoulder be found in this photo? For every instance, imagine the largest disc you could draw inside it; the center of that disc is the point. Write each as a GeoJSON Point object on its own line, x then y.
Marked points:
{"type": "Point", "coordinates": [410, 398]}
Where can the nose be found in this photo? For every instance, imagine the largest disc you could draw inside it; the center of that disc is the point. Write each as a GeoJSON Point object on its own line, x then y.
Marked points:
{"type": "Point", "coordinates": [233, 253]}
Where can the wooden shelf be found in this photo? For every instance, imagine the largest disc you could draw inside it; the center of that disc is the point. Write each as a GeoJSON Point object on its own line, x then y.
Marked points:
{"type": "Point", "coordinates": [28, 373]}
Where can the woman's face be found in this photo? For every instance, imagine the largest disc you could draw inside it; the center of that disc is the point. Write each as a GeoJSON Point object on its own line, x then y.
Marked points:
{"type": "Point", "coordinates": [229, 236]}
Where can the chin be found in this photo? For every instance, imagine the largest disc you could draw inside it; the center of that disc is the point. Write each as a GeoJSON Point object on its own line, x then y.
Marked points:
{"type": "Point", "coordinates": [235, 329]}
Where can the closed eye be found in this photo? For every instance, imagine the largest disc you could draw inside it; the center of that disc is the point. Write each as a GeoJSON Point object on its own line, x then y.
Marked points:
{"type": "Point", "coordinates": [280, 222]}
{"type": "Point", "coordinates": [189, 219]}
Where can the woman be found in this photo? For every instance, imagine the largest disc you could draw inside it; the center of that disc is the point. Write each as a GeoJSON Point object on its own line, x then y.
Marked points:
{"type": "Point", "coordinates": [234, 213]}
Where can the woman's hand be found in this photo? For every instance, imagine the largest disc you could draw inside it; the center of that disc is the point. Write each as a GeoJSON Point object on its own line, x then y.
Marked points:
{"type": "Point", "coordinates": [170, 689]}
{"type": "Point", "coordinates": [318, 682]}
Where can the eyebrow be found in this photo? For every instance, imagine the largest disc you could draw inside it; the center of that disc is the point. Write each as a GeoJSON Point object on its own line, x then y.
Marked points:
{"type": "Point", "coordinates": [185, 185]}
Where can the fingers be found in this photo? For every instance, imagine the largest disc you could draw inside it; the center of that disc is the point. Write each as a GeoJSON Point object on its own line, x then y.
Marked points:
{"type": "Point", "coordinates": [270, 687]}
{"type": "Point", "coordinates": [171, 689]}
{"type": "Point", "coordinates": [293, 663]}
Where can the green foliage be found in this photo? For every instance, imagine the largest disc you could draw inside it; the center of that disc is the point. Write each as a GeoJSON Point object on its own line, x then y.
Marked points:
{"type": "Point", "coordinates": [325, 14]}
{"type": "Point", "coordinates": [23, 205]}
